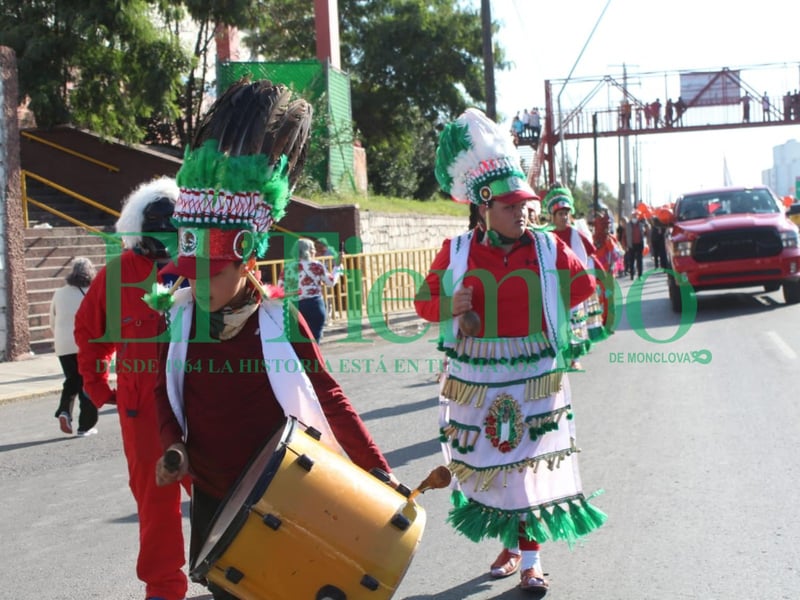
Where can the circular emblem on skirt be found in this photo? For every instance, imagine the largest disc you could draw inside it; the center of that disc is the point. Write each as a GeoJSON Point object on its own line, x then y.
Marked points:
{"type": "Point", "coordinates": [503, 424]}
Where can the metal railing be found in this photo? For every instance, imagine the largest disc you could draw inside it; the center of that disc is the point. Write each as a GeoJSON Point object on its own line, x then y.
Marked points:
{"type": "Point", "coordinates": [27, 200]}
{"type": "Point", "coordinates": [64, 149]}
{"type": "Point", "coordinates": [373, 284]}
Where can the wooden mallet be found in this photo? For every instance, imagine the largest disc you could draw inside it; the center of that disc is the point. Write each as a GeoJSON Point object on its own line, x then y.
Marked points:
{"type": "Point", "coordinates": [438, 478]}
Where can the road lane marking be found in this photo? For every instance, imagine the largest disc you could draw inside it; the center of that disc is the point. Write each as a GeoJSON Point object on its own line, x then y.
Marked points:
{"type": "Point", "coordinates": [785, 348]}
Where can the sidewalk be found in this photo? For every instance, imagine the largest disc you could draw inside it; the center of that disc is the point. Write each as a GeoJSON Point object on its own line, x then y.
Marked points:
{"type": "Point", "coordinates": [40, 374]}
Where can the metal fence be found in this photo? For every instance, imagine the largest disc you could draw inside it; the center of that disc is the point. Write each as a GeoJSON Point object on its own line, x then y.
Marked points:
{"type": "Point", "coordinates": [373, 284]}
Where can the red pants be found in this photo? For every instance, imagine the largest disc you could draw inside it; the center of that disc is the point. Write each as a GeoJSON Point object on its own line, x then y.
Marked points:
{"type": "Point", "coordinates": [161, 547]}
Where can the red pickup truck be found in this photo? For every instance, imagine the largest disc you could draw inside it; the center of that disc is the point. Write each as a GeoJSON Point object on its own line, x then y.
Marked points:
{"type": "Point", "coordinates": [732, 237]}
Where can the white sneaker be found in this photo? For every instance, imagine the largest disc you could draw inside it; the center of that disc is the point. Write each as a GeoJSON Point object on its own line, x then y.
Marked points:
{"type": "Point", "coordinates": [91, 431]}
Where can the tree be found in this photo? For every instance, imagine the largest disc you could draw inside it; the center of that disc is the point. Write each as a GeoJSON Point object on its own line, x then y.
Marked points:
{"type": "Point", "coordinates": [584, 197]}
{"type": "Point", "coordinates": [100, 64]}
{"type": "Point", "coordinates": [413, 65]}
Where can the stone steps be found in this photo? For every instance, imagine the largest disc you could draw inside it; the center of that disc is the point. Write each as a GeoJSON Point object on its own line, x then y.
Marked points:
{"type": "Point", "coordinates": [48, 253]}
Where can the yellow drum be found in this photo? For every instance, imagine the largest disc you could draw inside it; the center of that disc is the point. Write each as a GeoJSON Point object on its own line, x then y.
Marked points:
{"type": "Point", "coordinates": [304, 523]}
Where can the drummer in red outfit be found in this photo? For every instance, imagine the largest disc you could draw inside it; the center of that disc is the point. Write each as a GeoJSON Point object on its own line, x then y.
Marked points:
{"type": "Point", "coordinates": [218, 403]}
{"type": "Point", "coordinates": [112, 319]}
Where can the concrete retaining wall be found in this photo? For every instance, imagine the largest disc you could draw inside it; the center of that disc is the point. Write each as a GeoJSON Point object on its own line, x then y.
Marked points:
{"type": "Point", "coordinates": [384, 232]}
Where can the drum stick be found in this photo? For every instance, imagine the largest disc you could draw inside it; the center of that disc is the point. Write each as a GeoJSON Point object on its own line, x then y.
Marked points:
{"type": "Point", "coordinates": [177, 284]}
{"type": "Point", "coordinates": [438, 478]}
{"type": "Point", "coordinates": [257, 284]}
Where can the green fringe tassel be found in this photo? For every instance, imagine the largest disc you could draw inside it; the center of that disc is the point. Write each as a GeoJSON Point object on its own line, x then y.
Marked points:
{"type": "Point", "coordinates": [567, 521]}
{"type": "Point", "coordinates": [159, 299]}
{"type": "Point", "coordinates": [598, 334]}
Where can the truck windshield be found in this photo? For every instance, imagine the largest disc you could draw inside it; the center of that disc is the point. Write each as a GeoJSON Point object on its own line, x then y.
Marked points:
{"type": "Point", "coordinates": [741, 202]}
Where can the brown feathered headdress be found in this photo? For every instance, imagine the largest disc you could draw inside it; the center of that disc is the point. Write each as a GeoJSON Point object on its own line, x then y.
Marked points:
{"type": "Point", "coordinates": [238, 173]}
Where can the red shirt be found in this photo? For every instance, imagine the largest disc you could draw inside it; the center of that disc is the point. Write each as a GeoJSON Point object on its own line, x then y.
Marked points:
{"type": "Point", "coordinates": [565, 235]}
{"type": "Point", "coordinates": [125, 321]}
{"type": "Point", "coordinates": [231, 410]}
{"type": "Point", "coordinates": [511, 302]}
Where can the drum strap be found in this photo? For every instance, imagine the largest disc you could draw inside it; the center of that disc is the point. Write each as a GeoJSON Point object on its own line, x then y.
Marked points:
{"type": "Point", "coordinates": [292, 387]}
{"type": "Point", "coordinates": [290, 384]}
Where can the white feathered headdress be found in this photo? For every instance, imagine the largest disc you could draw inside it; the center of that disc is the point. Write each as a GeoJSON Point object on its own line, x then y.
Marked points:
{"type": "Point", "coordinates": [476, 161]}
{"type": "Point", "coordinates": [131, 219]}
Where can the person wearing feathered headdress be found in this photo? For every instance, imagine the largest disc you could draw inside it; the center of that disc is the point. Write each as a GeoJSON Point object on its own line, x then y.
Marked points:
{"type": "Point", "coordinates": [505, 410]}
{"type": "Point", "coordinates": [226, 327]}
{"type": "Point", "coordinates": [587, 318]}
{"type": "Point", "coordinates": [113, 320]}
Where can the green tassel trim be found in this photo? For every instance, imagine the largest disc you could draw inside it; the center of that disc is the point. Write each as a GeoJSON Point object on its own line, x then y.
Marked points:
{"type": "Point", "coordinates": [159, 299]}
{"type": "Point", "coordinates": [539, 425]}
{"type": "Point", "coordinates": [458, 499]}
{"type": "Point", "coordinates": [461, 437]}
{"type": "Point", "coordinates": [566, 520]}
{"type": "Point", "coordinates": [523, 359]}
{"type": "Point", "coordinates": [206, 168]}
{"type": "Point", "coordinates": [598, 334]}
{"type": "Point", "coordinates": [580, 348]}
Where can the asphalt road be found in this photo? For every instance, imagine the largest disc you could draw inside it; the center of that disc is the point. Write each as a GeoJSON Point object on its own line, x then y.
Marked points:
{"type": "Point", "coordinates": [690, 432]}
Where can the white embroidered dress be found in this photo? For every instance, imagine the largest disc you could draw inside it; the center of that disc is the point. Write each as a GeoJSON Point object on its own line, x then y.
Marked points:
{"type": "Point", "coordinates": [506, 426]}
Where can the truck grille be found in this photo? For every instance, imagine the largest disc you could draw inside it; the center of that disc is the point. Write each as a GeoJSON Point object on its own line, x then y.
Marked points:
{"type": "Point", "coordinates": [737, 244]}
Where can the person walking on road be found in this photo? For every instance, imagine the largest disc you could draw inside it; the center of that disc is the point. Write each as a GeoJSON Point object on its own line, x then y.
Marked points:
{"type": "Point", "coordinates": [125, 328]}
{"type": "Point", "coordinates": [586, 319]}
{"type": "Point", "coordinates": [63, 307]}
{"type": "Point", "coordinates": [505, 418]}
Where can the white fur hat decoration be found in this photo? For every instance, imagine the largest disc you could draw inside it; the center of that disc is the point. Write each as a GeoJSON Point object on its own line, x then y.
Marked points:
{"type": "Point", "coordinates": [131, 218]}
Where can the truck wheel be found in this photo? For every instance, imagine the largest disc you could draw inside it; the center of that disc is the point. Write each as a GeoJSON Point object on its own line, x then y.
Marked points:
{"type": "Point", "coordinates": [674, 295]}
{"type": "Point", "coordinates": [791, 292]}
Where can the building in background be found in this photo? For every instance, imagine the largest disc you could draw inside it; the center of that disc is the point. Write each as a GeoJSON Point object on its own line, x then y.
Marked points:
{"type": "Point", "coordinates": [784, 175]}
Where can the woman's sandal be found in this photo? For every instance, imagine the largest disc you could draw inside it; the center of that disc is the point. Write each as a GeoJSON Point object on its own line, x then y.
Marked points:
{"type": "Point", "coordinates": [506, 563]}
{"type": "Point", "coordinates": [531, 581]}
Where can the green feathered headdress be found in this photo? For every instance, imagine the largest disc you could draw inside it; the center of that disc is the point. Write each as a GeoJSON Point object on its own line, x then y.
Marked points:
{"type": "Point", "coordinates": [238, 173]}
{"type": "Point", "coordinates": [476, 162]}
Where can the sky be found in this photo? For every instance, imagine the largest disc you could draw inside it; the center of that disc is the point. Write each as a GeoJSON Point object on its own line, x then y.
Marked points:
{"type": "Point", "coordinates": [555, 40]}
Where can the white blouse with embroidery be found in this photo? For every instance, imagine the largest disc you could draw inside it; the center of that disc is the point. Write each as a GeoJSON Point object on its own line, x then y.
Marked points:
{"type": "Point", "coordinates": [308, 277]}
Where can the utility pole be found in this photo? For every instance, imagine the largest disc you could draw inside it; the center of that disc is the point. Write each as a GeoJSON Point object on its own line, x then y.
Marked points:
{"type": "Point", "coordinates": [596, 186]}
{"type": "Point", "coordinates": [627, 143]}
{"type": "Point", "coordinates": [626, 204]}
{"type": "Point", "coordinates": [488, 59]}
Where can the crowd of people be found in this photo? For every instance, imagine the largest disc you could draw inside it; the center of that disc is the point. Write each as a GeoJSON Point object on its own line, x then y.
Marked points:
{"type": "Point", "coordinates": [526, 128]}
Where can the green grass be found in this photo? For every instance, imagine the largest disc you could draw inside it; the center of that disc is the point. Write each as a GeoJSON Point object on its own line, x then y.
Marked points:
{"type": "Point", "coordinates": [438, 206]}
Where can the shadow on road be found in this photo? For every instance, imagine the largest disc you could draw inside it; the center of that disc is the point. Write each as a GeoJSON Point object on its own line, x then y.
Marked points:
{"type": "Point", "coordinates": [401, 409]}
{"type": "Point", "coordinates": [402, 456]}
{"type": "Point", "coordinates": [478, 585]}
{"type": "Point", "coordinates": [21, 445]}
